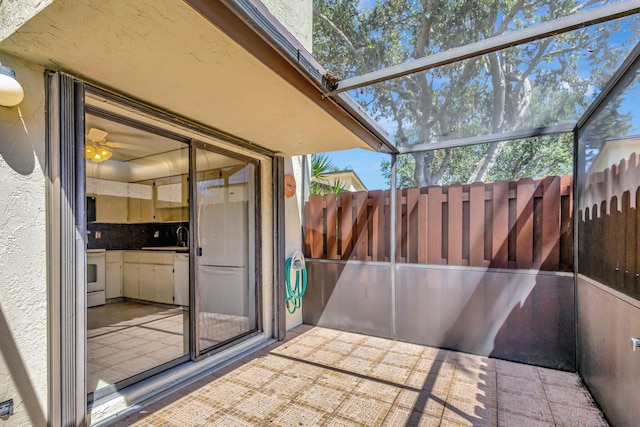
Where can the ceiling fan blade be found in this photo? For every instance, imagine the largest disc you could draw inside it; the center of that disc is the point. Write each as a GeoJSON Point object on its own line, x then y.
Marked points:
{"type": "Point", "coordinates": [123, 145]}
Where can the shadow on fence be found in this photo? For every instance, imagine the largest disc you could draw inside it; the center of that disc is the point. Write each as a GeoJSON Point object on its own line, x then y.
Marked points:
{"type": "Point", "coordinates": [506, 224]}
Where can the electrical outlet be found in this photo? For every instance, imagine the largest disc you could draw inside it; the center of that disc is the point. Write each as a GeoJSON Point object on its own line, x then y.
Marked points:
{"type": "Point", "coordinates": [6, 408]}
{"type": "Point", "coordinates": [98, 235]}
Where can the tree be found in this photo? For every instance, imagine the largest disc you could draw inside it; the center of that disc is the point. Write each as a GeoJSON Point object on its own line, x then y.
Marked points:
{"type": "Point", "coordinates": [535, 84]}
{"type": "Point", "coordinates": [528, 158]}
{"type": "Point", "coordinates": [320, 166]}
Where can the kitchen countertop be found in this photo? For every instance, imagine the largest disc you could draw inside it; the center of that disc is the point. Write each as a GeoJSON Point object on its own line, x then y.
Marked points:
{"type": "Point", "coordinates": [166, 248]}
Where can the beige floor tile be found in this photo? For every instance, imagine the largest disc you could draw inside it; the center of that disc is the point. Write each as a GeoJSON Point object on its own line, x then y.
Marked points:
{"type": "Point", "coordinates": [397, 359]}
{"type": "Point", "coordinates": [389, 373]}
{"type": "Point", "coordinates": [296, 415]}
{"type": "Point", "coordinates": [517, 370]}
{"type": "Point", "coordinates": [322, 397]}
{"type": "Point", "coordinates": [437, 386]}
{"type": "Point", "coordinates": [565, 379]}
{"type": "Point", "coordinates": [379, 343]}
{"type": "Point", "coordinates": [406, 348]}
{"type": "Point", "coordinates": [259, 406]}
{"type": "Point", "coordinates": [285, 386]}
{"type": "Point", "coordinates": [228, 420]}
{"type": "Point", "coordinates": [339, 380]}
{"type": "Point", "coordinates": [368, 353]}
{"type": "Point", "coordinates": [420, 401]}
{"type": "Point", "coordinates": [274, 362]}
{"type": "Point", "coordinates": [355, 365]}
{"type": "Point", "coordinates": [470, 412]}
{"type": "Point", "coordinates": [364, 410]}
{"type": "Point", "coordinates": [335, 421]}
{"type": "Point", "coordinates": [224, 393]}
{"type": "Point", "coordinates": [399, 416]}
{"type": "Point", "coordinates": [339, 347]}
{"type": "Point", "coordinates": [348, 379]}
{"type": "Point", "coordinates": [293, 349]}
{"type": "Point", "coordinates": [306, 370]}
{"type": "Point", "coordinates": [378, 390]}
{"type": "Point", "coordinates": [520, 386]}
{"type": "Point", "coordinates": [323, 357]}
{"type": "Point", "coordinates": [509, 419]}
{"type": "Point", "coordinates": [525, 406]}
{"type": "Point", "coordinates": [566, 415]}
{"type": "Point", "coordinates": [569, 396]}
{"type": "Point", "coordinates": [253, 376]}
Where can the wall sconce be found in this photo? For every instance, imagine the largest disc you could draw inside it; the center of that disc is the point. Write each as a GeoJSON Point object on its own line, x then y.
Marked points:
{"type": "Point", "coordinates": [11, 93]}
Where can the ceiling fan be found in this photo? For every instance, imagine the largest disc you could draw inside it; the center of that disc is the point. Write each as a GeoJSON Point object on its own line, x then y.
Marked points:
{"type": "Point", "coordinates": [95, 147]}
{"type": "Point", "coordinates": [98, 149]}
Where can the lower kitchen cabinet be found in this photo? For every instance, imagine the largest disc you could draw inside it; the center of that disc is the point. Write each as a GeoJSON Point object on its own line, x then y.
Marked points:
{"type": "Point", "coordinates": [149, 276]}
{"type": "Point", "coordinates": [156, 283]}
{"type": "Point", "coordinates": [113, 279]}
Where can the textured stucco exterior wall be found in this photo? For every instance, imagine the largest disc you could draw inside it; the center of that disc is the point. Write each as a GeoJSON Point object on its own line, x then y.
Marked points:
{"type": "Point", "coordinates": [293, 227]}
{"type": "Point", "coordinates": [23, 257]}
{"type": "Point", "coordinates": [296, 16]}
{"type": "Point", "coordinates": [14, 13]}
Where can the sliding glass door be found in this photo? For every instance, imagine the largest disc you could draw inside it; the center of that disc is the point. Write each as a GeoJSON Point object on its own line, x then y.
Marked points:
{"type": "Point", "coordinates": [224, 248]}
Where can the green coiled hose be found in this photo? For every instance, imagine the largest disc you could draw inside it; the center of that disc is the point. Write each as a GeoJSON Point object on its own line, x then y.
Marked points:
{"type": "Point", "coordinates": [294, 294]}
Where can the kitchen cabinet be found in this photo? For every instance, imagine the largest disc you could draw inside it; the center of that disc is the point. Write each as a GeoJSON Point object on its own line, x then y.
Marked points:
{"type": "Point", "coordinates": [113, 288]}
{"type": "Point", "coordinates": [140, 211]}
{"type": "Point", "coordinates": [112, 209]}
{"type": "Point", "coordinates": [156, 282]}
{"type": "Point", "coordinates": [148, 276]}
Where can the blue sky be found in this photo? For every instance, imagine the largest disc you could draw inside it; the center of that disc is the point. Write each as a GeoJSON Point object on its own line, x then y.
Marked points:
{"type": "Point", "coordinates": [366, 165]}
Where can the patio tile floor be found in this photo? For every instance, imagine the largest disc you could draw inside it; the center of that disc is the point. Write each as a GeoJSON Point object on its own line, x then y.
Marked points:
{"type": "Point", "coordinates": [323, 377]}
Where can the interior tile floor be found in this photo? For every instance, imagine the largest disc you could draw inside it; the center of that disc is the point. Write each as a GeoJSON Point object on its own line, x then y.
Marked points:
{"type": "Point", "coordinates": [324, 377]}
{"type": "Point", "coordinates": [126, 338]}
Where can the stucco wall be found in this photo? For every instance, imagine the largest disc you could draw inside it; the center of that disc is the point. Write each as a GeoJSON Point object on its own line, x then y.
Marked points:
{"type": "Point", "coordinates": [296, 16]}
{"type": "Point", "coordinates": [14, 13]}
{"type": "Point", "coordinates": [23, 292]}
{"type": "Point", "coordinates": [293, 228]}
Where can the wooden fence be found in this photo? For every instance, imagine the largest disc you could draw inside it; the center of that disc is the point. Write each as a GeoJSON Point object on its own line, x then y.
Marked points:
{"type": "Point", "coordinates": [505, 224]}
{"type": "Point", "coordinates": [609, 238]}
{"type": "Point", "coordinates": [609, 225]}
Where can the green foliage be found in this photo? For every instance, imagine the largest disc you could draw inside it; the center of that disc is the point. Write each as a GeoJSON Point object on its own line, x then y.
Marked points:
{"type": "Point", "coordinates": [536, 84]}
{"type": "Point", "coordinates": [321, 165]}
{"type": "Point", "coordinates": [528, 158]}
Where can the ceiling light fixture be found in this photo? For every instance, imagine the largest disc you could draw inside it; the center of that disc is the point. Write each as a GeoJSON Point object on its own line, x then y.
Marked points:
{"type": "Point", "coordinates": [11, 92]}
{"type": "Point", "coordinates": [97, 153]}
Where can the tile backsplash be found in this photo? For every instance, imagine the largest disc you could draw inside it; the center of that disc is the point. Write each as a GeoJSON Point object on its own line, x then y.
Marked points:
{"type": "Point", "coordinates": [132, 236]}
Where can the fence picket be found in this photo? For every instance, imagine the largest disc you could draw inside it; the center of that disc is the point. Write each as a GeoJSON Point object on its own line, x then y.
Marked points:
{"type": "Point", "coordinates": [551, 223]}
{"type": "Point", "coordinates": [346, 229]}
{"type": "Point", "coordinates": [434, 232]}
{"type": "Point", "coordinates": [500, 245]}
{"type": "Point", "coordinates": [456, 225]}
{"type": "Point", "coordinates": [476, 223]}
{"type": "Point", "coordinates": [454, 207]}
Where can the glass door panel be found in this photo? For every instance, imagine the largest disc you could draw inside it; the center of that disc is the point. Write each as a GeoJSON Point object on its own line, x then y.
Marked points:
{"type": "Point", "coordinates": [225, 260]}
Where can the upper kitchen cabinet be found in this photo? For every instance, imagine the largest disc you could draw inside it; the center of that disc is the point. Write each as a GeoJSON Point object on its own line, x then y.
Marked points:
{"type": "Point", "coordinates": [136, 173]}
{"type": "Point", "coordinates": [172, 198]}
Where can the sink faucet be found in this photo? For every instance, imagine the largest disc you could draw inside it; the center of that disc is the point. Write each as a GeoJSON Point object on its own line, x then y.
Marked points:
{"type": "Point", "coordinates": [181, 241]}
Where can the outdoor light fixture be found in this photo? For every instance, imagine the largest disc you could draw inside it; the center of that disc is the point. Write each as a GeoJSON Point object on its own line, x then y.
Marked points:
{"type": "Point", "coordinates": [11, 93]}
{"type": "Point", "coordinates": [96, 153]}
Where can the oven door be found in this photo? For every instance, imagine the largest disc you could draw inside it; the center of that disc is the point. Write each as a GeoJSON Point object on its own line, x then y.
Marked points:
{"type": "Point", "coordinates": [96, 272]}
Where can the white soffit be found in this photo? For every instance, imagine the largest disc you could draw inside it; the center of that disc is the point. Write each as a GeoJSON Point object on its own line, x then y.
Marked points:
{"type": "Point", "coordinates": [166, 54]}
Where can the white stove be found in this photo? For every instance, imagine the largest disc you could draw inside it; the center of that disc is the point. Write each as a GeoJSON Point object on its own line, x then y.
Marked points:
{"type": "Point", "coordinates": [96, 275]}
